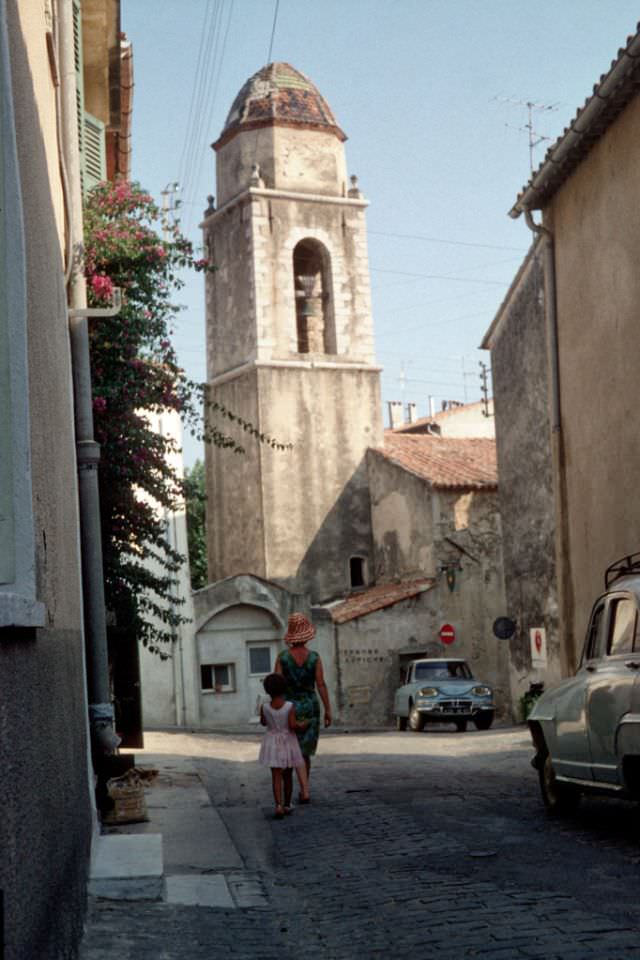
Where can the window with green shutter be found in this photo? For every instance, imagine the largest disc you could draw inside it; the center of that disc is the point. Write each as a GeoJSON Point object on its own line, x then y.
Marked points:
{"type": "Point", "coordinates": [91, 131]}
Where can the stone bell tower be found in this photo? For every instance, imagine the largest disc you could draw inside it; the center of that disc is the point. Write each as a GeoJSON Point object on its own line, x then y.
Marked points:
{"type": "Point", "coordinates": [290, 344]}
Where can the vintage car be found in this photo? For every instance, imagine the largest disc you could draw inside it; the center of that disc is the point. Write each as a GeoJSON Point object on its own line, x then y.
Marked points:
{"type": "Point", "coordinates": [586, 731]}
{"type": "Point", "coordinates": [442, 690]}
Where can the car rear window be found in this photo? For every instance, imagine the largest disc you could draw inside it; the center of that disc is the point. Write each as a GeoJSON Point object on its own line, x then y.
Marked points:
{"type": "Point", "coordinates": [623, 626]}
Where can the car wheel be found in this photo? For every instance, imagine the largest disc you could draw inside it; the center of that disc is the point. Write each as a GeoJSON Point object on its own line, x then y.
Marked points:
{"type": "Point", "coordinates": [416, 720]}
{"type": "Point", "coordinates": [483, 720]}
{"type": "Point", "coordinates": [461, 725]}
{"type": "Point", "coordinates": [558, 798]}
{"type": "Point", "coordinates": [401, 723]}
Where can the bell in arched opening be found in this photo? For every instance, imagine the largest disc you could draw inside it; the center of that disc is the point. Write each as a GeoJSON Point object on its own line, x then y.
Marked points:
{"type": "Point", "coordinates": [314, 315]}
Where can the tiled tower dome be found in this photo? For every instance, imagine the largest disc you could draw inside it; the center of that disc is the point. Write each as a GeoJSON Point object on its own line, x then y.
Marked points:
{"type": "Point", "coordinates": [278, 95]}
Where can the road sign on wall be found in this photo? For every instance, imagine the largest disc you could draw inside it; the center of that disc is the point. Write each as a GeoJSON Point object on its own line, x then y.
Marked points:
{"type": "Point", "coordinates": [447, 633]}
{"type": "Point", "coordinates": [538, 636]}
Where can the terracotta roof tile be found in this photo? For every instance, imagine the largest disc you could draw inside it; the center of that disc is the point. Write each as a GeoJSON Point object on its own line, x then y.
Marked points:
{"type": "Point", "coordinates": [278, 94]}
{"type": "Point", "coordinates": [377, 598]}
{"type": "Point", "coordinates": [447, 463]}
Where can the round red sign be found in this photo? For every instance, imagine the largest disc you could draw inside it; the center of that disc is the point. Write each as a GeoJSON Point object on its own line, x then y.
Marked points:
{"type": "Point", "coordinates": [447, 633]}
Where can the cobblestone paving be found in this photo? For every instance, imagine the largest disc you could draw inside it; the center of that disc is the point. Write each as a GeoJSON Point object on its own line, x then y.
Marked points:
{"type": "Point", "coordinates": [430, 846]}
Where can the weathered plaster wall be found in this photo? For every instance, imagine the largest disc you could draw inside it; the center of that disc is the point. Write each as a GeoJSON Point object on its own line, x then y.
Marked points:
{"type": "Point", "coordinates": [44, 789]}
{"type": "Point", "coordinates": [309, 161]}
{"type": "Point", "coordinates": [229, 290]}
{"type": "Point", "coordinates": [402, 521]}
{"type": "Point", "coordinates": [417, 530]}
{"type": "Point", "coordinates": [521, 391]}
{"type": "Point", "coordinates": [372, 650]}
{"type": "Point", "coordinates": [300, 160]}
{"type": "Point", "coordinates": [304, 511]}
{"type": "Point", "coordinates": [235, 521]}
{"type": "Point", "coordinates": [315, 524]}
{"type": "Point", "coordinates": [597, 237]}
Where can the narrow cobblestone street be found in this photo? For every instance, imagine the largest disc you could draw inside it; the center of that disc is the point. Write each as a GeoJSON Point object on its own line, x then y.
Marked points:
{"type": "Point", "coordinates": [434, 844]}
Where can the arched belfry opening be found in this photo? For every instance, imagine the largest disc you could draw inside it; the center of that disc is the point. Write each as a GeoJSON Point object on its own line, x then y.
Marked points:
{"type": "Point", "coordinates": [314, 302]}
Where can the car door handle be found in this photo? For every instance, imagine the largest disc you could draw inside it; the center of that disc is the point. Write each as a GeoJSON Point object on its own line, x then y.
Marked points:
{"type": "Point", "coordinates": [632, 664]}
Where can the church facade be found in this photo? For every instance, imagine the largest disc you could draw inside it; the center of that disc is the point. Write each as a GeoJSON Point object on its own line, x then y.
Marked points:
{"type": "Point", "coordinates": [324, 512]}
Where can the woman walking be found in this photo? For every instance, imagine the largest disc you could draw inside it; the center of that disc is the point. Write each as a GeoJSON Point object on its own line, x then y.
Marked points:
{"type": "Point", "coordinates": [303, 673]}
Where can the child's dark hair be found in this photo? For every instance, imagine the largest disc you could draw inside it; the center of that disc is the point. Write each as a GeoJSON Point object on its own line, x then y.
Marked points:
{"type": "Point", "coordinates": [275, 684]}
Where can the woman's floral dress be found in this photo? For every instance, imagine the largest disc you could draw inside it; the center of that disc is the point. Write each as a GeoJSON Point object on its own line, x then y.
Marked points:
{"type": "Point", "coordinates": [301, 690]}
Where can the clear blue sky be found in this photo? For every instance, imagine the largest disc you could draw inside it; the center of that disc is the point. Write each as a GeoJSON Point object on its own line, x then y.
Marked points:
{"type": "Point", "coordinates": [419, 86]}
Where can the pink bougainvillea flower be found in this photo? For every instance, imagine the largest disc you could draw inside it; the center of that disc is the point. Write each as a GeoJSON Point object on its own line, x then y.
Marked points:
{"type": "Point", "coordinates": [102, 286]}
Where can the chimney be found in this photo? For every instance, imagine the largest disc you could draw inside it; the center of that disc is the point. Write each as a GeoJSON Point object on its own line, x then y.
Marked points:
{"type": "Point", "coordinates": [412, 413]}
{"type": "Point", "coordinates": [395, 413]}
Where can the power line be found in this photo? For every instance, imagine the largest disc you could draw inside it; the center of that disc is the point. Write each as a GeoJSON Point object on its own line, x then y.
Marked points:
{"type": "Point", "coordinates": [453, 243]}
{"type": "Point", "coordinates": [436, 276]}
{"type": "Point", "coordinates": [214, 94]}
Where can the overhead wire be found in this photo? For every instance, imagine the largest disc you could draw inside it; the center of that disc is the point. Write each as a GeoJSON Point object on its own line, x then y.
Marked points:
{"type": "Point", "coordinates": [453, 243]}
{"type": "Point", "coordinates": [206, 78]}
{"type": "Point", "coordinates": [213, 96]}
{"type": "Point", "coordinates": [437, 276]}
{"type": "Point", "coordinates": [196, 79]}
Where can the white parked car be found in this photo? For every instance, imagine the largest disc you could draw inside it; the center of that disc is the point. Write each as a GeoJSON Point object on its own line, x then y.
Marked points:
{"type": "Point", "coordinates": [586, 731]}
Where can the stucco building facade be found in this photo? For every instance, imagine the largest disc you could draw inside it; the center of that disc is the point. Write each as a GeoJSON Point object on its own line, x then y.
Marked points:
{"type": "Point", "coordinates": [581, 204]}
{"type": "Point", "coordinates": [46, 789]}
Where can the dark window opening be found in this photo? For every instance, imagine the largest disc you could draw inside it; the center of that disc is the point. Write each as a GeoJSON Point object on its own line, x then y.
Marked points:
{"type": "Point", "coordinates": [217, 676]}
{"type": "Point", "coordinates": [356, 571]}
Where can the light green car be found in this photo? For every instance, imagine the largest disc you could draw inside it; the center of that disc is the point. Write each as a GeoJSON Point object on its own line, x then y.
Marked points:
{"type": "Point", "coordinates": [586, 731]}
{"type": "Point", "coordinates": [442, 690]}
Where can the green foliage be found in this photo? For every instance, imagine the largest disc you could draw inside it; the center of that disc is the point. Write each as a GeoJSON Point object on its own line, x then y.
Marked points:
{"type": "Point", "coordinates": [195, 499]}
{"type": "Point", "coordinates": [527, 702]}
{"type": "Point", "coordinates": [135, 373]}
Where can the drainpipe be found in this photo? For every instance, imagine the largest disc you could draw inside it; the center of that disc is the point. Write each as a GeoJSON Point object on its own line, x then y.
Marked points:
{"type": "Point", "coordinates": [101, 718]}
{"type": "Point", "coordinates": [563, 564]}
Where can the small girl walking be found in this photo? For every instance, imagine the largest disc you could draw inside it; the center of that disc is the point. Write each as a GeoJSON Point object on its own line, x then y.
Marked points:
{"type": "Point", "coordinates": [279, 749]}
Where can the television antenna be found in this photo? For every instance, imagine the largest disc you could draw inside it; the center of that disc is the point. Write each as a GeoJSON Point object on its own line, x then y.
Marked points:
{"type": "Point", "coordinates": [535, 138]}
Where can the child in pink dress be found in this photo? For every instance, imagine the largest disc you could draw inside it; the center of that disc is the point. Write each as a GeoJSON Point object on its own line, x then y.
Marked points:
{"type": "Point", "coordinates": [279, 749]}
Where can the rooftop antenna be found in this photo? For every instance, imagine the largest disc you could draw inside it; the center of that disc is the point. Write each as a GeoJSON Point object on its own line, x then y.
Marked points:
{"type": "Point", "coordinates": [535, 138]}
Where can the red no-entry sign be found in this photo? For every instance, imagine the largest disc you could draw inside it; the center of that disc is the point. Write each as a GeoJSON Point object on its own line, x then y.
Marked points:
{"type": "Point", "coordinates": [447, 633]}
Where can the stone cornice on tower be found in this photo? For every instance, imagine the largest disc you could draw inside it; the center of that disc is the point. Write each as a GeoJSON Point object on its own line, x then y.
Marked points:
{"type": "Point", "coordinates": [246, 195]}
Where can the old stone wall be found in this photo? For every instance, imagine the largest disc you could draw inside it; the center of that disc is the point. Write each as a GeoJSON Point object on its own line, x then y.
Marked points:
{"type": "Point", "coordinates": [521, 392]}
{"type": "Point", "coordinates": [45, 828]}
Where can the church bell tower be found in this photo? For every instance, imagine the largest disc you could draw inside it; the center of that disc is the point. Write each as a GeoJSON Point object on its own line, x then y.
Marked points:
{"type": "Point", "coordinates": [290, 344]}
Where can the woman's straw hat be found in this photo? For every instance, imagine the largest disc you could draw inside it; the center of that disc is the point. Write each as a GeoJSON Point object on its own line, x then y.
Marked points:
{"type": "Point", "coordinates": [299, 630]}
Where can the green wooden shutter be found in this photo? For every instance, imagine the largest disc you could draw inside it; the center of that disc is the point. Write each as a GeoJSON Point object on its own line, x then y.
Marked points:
{"type": "Point", "coordinates": [94, 152]}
